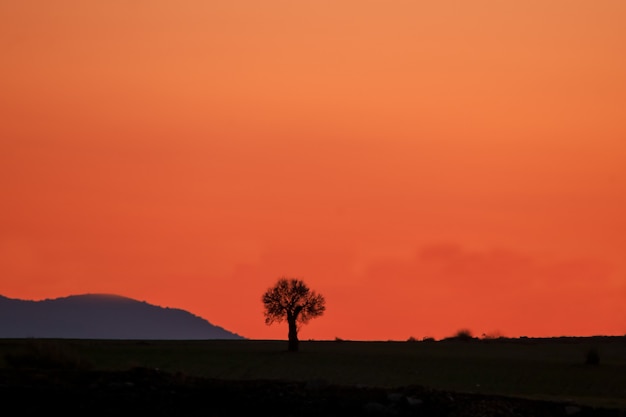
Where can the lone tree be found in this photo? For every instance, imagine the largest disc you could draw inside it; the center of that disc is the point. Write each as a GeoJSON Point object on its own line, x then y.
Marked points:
{"type": "Point", "coordinates": [291, 299]}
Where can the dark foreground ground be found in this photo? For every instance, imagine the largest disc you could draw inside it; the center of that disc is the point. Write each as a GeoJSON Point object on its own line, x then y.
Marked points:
{"type": "Point", "coordinates": [146, 392]}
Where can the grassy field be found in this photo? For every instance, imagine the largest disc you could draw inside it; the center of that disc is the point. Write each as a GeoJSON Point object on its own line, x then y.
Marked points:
{"type": "Point", "coordinates": [552, 369]}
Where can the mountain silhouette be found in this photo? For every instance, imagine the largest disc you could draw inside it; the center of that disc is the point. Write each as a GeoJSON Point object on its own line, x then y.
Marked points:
{"type": "Point", "coordinates": [102, 316]}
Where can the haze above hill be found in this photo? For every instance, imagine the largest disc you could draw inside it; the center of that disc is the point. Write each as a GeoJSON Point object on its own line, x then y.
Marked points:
{"type": "Point", "coordinates": [102, 316]}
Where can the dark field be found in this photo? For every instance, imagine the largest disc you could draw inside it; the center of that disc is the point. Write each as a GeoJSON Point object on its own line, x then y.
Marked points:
{"type": "Point", "coordinates": [542, 370]}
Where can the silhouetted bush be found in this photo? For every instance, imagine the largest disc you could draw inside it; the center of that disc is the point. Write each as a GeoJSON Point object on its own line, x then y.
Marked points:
{"type": "Point", "coordinates": [46, 355]}
{"type": "Point", "coordinates": [411, 339]}
{"type": "Point", "coordinates": [464, 335]}
{"type": "Point", "coordinates": [338, 339]}
{"type": "Point", "coordinates": [428, 339]}
{"type": "Point", "coordinates": [592, 357]}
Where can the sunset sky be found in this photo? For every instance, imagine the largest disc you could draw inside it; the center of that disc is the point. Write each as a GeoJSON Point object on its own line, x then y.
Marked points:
{"type": "Point", "coordinates": [425, 165]}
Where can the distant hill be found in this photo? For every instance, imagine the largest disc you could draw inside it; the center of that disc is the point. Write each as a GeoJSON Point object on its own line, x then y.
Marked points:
{"type": "Point", "coordinates": [102, 316]}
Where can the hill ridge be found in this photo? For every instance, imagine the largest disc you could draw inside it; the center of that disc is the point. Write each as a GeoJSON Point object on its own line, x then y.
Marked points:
{"type": "Point", "coordinates": [103, 316]}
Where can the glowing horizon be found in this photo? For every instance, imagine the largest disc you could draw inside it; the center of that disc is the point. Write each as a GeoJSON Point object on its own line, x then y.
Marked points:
{"type": "Point", "coordinates": [425, 167]}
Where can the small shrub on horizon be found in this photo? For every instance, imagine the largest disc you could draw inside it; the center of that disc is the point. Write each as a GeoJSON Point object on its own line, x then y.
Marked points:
{"type": "Point", "coordinates": [492, 336]}
{"type": "Point", "coordinates": [464, 335]}
{"type": "Point", "coordinates": [411, 339]}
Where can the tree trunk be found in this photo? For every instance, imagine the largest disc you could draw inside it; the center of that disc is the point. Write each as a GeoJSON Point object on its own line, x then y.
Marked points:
{"type": "Point", "coordinates": [293, 335]}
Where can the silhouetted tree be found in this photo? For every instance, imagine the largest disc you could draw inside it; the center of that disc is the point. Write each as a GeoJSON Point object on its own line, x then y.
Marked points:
{"type": "Point", "coordinates": [292, 300]}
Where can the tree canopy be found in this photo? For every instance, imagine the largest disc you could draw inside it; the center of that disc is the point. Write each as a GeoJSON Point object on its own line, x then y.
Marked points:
{"type": "Point", "coordinates": [290, 299]}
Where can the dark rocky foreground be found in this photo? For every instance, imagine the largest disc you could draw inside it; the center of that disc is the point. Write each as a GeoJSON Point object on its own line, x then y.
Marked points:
{"type": "Point", "coordinates": [152, 393]}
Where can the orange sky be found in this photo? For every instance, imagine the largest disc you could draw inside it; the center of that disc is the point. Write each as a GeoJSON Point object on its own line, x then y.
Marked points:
{"type": "Point", "coordinates": [427, 166]}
